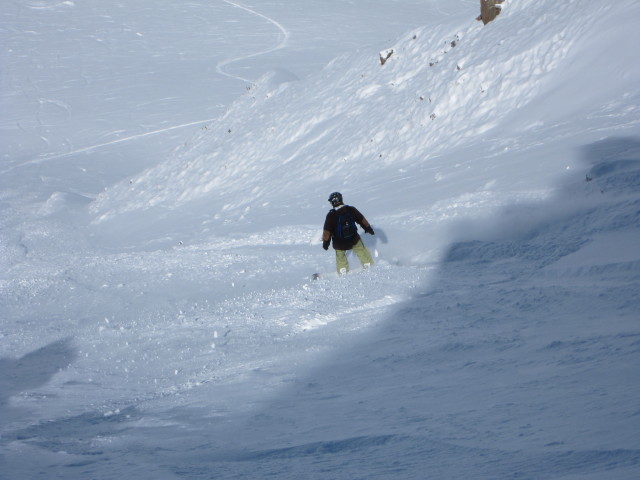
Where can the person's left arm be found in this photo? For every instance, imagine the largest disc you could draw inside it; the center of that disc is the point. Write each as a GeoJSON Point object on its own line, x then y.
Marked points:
{"type": "Point", "coordinates": [362, 221]}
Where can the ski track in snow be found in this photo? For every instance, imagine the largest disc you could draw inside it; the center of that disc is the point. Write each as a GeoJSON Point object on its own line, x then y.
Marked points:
{"type": "Point", "coordinates": [220, 68]}
{"type": "Point", "coordinates": [106, 144]}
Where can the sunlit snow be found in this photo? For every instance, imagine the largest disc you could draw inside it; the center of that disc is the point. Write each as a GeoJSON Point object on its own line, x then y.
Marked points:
{"type": "Point", "coordinates": [164, 170]}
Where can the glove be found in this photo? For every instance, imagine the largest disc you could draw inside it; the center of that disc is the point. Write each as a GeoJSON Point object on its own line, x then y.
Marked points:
{"type": "Point", "coordinates": [369, 230]}
{"type": "Point", "coordinates": [325, 245]}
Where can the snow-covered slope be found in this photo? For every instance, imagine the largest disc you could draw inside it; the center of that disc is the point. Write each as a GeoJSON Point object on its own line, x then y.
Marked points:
{"type": "Point", "coordinates": [454, 100]}
{"type": "Point", "coordinates": [166, 326]}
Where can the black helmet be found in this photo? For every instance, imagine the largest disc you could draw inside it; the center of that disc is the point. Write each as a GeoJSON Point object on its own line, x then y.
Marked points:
{"type": "Point", "coordinates": [335, 199]}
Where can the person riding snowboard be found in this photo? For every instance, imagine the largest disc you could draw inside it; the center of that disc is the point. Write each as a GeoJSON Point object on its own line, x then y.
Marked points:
{"type": "Point", "coordinates": [340, 226]}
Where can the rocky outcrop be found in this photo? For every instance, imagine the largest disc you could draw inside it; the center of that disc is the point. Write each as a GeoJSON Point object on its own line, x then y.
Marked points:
{"type": "Point", "coordinates": [489, 10]}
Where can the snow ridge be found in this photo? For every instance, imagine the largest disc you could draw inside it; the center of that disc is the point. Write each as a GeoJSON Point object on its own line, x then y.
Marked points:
{"type": "Point", "coordinates": [357, 119]}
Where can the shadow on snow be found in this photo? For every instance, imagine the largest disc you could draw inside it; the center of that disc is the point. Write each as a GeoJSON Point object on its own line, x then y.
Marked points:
{"type": "Point", "coordinates": [514, 362]}
{"type": "Point", "coordinates": [518, 360]}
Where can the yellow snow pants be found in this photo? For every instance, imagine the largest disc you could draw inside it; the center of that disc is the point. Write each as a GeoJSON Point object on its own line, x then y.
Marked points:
{"type": "Point", "coordinates": [360, 250]}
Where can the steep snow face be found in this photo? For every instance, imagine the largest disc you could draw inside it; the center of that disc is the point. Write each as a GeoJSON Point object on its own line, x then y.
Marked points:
{"type": "Point", "coordinates": [125, 84]}
{"type": "Point", "coordinates": [445, 90]}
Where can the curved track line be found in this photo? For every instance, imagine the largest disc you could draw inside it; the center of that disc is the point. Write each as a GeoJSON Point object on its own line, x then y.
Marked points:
{"type": "Point", "coordinates": [219, 68]}
{"type": "Point", "coordinates": [280, 45]}
{"type": "Point", "coordinates": [106, 144]}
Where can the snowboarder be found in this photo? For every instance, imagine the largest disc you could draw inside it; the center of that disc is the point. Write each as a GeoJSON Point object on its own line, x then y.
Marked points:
{"type": "Point", "coordinates": [340, 226]}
